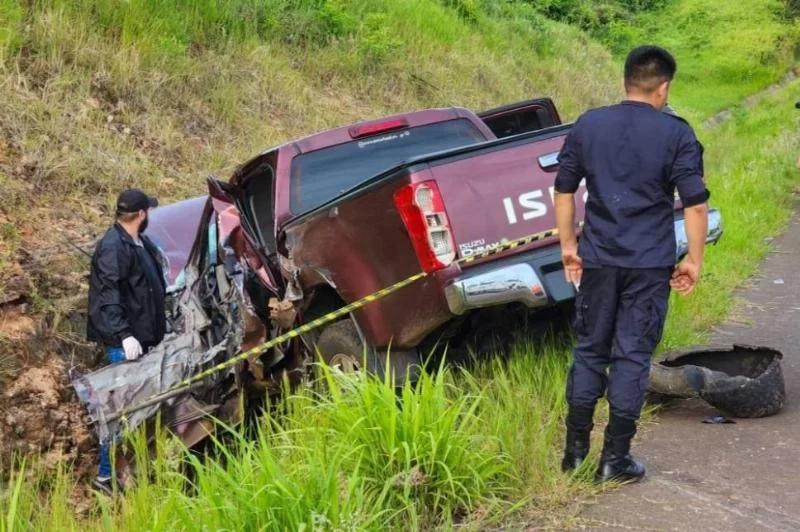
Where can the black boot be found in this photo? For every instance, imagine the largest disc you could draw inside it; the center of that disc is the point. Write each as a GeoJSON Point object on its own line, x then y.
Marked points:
{"type": "Point", "coordinates": [579, 427]}
{"type": "Point", "coordinates": [616, 463]}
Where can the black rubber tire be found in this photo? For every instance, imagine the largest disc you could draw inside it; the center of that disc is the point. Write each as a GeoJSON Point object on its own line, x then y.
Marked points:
{"type": "Point", "coordinates": [342, 338]}
{"type": "Point", "coordinates": [738, 396]}
{"type": "Point", "coordinates": [748, 398]}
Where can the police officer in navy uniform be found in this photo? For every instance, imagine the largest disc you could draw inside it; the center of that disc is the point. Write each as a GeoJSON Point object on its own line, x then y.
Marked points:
{"type": "Point", "coordinates": [633, 157]}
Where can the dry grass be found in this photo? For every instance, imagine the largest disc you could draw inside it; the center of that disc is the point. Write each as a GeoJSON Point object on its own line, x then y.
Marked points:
{"type": "Point", "coordinates": [92, 106]}
{"type": "Point", "coordinates": [83, 117]}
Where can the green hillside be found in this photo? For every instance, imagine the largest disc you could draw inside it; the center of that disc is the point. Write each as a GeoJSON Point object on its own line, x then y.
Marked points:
{"type": "Point", "coordinates": [726, 50]}
{"type": "Point", "coordinates": [104, 94]}
{"type": "Point", "coordinates": [101, 95]}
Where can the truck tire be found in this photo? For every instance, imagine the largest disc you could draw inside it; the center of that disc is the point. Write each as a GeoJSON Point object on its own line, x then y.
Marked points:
{"type": "Point", "coordinates": [340, 346]}
{"type": "Point", "coordinates": [742, 381]}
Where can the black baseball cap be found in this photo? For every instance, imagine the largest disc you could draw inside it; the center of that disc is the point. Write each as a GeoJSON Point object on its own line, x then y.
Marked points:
{"type": "Point", "coordinates": [134, 200]}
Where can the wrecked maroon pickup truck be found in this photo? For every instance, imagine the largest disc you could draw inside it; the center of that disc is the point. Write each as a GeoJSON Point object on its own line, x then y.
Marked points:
{"type": "Point", "coordinates": [314, 224]}
{"type": "Point", "coordinates": [322, 221]}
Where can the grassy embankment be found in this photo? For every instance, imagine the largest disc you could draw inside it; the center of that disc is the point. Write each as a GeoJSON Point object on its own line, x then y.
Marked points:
{"type": "Point", "coordinates": [726, 50]}
{"type": "Point", "coordinates": [355, 460]}
{"type": "Point", "coordinates": [99, 95]}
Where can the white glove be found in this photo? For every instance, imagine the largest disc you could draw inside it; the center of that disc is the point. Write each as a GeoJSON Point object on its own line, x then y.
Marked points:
{"type": "Point", "coordinates": [132, 347]}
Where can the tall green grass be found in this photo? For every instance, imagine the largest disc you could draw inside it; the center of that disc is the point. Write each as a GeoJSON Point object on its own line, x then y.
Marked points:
{"type": "Point", "coordinates": [458, 448]}
{"type": "Point", "coordinates": [726, 50]}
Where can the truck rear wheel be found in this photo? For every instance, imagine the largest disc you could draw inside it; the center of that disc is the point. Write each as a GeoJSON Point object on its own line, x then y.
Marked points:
{"type": "Point", "coordinates": [340, 346]}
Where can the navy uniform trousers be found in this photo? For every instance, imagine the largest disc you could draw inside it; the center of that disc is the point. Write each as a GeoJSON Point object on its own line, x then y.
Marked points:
{"type": "Point", "coordinates": [619, 320]}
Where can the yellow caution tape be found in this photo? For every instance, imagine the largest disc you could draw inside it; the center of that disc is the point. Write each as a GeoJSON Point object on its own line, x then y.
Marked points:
{"type": "Point", "coordinates": [323, 320]}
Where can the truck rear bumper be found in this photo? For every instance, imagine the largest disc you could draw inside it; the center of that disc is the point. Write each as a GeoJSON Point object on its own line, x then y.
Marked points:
{"type": "Point", "coordinates": [536, 278]}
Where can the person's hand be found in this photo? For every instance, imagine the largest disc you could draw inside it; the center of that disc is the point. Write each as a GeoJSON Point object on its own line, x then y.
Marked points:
{"type": "Point", "coordinates": [685, 277]}
{"type": "Point", "coordinates": [132, 347]}
{"type": "Point", "coordinates": [573, 265]}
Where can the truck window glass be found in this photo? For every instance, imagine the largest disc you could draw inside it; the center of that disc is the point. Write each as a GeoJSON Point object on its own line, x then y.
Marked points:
{"type": "Point", "coordinates": [516, 122]}
{"type": "Point", "coordinates": [259, 205]}
{"type": "Point", "coordinates": [321, 175]}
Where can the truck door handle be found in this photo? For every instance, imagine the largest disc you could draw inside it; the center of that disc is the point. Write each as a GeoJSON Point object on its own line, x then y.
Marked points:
{"type": "Point", "coordinates": [548, 160]}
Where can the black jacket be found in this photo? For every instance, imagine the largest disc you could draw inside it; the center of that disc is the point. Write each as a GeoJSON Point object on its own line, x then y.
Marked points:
{"type": "Point", "coordinates": [122, 300]}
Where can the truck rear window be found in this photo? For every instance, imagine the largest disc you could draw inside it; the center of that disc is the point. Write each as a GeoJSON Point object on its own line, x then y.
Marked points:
{"type": "Point", "coordinates": [319, 176]}
{"type": "Point", "coordinates": [515, 123]}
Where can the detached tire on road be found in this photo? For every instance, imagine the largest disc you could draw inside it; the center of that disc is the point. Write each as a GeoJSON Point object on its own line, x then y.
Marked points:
{"type": "Point", "coordinates": [741, 381]}
{"type": "Point", "coordinates": [340, 346]}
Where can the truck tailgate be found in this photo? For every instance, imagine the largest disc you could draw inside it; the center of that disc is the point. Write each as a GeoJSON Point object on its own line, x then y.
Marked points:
{"type": "Point", "coordinates": [502, 192]}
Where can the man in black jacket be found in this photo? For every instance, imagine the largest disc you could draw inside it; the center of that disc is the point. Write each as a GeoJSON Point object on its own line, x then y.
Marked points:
{"type": "Point", "coordinates": [127, 292]}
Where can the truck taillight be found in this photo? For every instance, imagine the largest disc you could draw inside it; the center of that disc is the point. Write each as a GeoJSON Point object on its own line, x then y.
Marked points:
{"type": "Point", "coordinates": [422, 210]}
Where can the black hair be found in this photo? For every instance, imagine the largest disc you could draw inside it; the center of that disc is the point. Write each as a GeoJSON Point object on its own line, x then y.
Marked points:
{"type": "Point", "coordinates": [647, 67]}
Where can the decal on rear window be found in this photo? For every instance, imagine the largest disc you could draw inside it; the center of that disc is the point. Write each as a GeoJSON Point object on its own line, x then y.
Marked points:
{"type": "Point", "coordinates": [365, 143]}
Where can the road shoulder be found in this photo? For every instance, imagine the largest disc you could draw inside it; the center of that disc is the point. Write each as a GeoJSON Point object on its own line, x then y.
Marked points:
{"type": "Point", "coordinates": [732, 476]}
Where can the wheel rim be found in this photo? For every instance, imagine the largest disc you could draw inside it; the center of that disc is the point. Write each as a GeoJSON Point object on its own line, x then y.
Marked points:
{"type": "Point", "coordinates": [345, 363]}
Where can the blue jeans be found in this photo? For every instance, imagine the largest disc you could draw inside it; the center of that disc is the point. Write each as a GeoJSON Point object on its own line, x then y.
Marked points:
{"type": "Point", "coordinates": [114, 356]}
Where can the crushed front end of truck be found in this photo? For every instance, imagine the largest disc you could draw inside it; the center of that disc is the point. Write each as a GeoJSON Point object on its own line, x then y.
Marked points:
{"type": "Point", "coordinates": [211, 319]}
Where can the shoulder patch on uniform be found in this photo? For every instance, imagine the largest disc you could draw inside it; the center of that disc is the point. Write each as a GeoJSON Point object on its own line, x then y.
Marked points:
{"type": "Point", "coordinates": [677, 117]}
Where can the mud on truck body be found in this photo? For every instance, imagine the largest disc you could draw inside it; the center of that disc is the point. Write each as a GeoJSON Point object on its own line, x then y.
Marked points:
{"type": "Point", "coordinates": [314, 224]}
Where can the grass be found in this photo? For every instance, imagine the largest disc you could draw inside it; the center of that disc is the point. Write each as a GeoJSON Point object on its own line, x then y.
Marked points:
{"type": "Point", "coordinates": [459, 448]}
{"type": "Point", "coordinates": [98, 96]}
{"type": "Point", "coordinates": [101, 96]}
{"type": "Point", "coordinates": [726, 50]}
{"type": "Point", "coordinates": [750, 166]}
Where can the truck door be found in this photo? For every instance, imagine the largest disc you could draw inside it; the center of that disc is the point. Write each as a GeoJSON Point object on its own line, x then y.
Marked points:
{"type": "Point", "coordinates": [250, 203]}
{"type": "Point", "coordinates": [521, 117]}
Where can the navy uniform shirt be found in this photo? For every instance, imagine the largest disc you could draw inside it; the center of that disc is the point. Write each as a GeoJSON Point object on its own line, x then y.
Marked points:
{"type": "Point", "coordinates": [633, 157]}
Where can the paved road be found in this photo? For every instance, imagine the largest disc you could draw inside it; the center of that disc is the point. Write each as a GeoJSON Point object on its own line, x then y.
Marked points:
{"type": "Point", "coordinates": [725, 477]}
